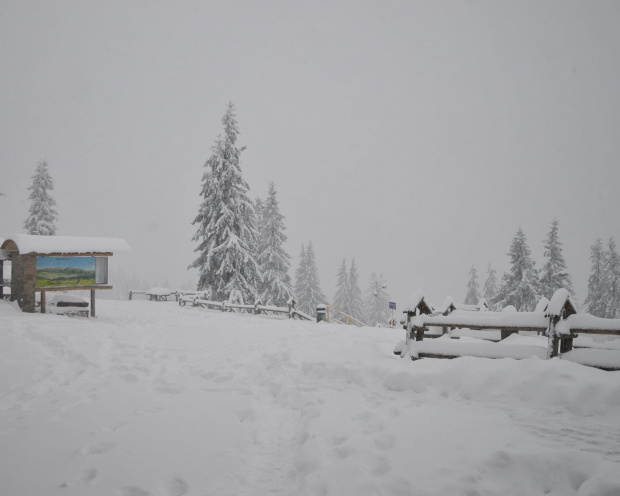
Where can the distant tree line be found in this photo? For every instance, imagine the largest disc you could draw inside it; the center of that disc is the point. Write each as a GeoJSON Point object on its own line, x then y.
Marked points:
{"type": "Point", "coordinates": [524, 285]}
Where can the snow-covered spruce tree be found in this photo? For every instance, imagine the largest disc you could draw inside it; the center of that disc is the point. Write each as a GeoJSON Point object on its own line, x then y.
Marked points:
{"type": "Point", "coordinates": [611, 282]}
{"type": "Point", "coordinates": [473, 291]}
{"type": "Point", "coordinates": [315, 295]}
{"type": "Point", "coordinates": [226, 220]}
{"type": "Point", "coordinates": [273, 260]}
{"type": "Point", "coordinates": [355, 294]}
{"type": "Point", "coordinates": [341, 297]}
{"type": "Point", "coordinates": [490, 285]}
{"type": "Point", "coordinates": [520, 287]}
{"type": "Point", "coordinates": [594, 302]}
{"type": "Point", "coordinates": [377, 301]}
{"type": "Point", "coordinates": [554, 273]}
{"type": "Point", "coordinates": [42, 214]}
{"type": "Point", "coordinates": [301, 278]}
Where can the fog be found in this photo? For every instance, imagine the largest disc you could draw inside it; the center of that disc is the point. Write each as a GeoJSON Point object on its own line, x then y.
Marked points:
{"type": "Point", "coordinates": [414, 136]}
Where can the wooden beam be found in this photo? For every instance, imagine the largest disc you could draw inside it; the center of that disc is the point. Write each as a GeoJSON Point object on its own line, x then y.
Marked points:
{"type": "Point", "coordinates": [42, 301]}
{"type": "Point", "coordinates": [71, 288]}
{"type": "Point", "coordinates": [92, 302]}
{"type": "Point", "coordinates": [87, 254]}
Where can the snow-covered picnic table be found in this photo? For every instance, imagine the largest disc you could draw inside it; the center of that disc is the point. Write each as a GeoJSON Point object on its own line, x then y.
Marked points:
{"type": "Point", "coordinates": [159, 294]}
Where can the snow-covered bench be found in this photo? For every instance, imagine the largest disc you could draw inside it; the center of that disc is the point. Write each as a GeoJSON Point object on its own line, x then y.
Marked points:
{"type": "Point", "coordinates": [67, 304]}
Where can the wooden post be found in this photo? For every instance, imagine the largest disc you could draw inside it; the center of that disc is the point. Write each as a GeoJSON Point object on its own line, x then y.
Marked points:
{"type": "Point", "coordinates": [1, 279]}
{"type": "Point", "coordinates": [42, 301]}
{"type": "Point", "coordinates": [552, 339]}
{"type": "Point", "coordinates": [130, 294]}
{"type": "Point", "coordinates": [92, 303]}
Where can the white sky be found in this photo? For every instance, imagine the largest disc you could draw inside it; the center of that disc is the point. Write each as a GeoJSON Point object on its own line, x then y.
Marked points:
{"type": "Point", "coordinates": [415, 136]}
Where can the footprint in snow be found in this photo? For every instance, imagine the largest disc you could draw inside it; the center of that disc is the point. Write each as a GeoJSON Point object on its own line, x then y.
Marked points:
{"type": "Point", "coordinates": [173, 487]}
{"type": "Point", "coordinates": [98, 449]}
{"type": "Point", "coordinates": [132, 491]}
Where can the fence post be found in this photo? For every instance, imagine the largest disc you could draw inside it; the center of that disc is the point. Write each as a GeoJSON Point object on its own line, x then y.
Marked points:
{"type": "Point", "coordinates": [130, 294]}
{"type": "Point", "coordinates": [552, 338]}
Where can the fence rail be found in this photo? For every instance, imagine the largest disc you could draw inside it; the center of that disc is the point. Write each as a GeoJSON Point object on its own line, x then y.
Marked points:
{"type": "Point", "coordinates": [559, 322]}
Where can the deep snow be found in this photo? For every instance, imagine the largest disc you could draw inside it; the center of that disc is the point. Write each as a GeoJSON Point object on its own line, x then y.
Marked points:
{"type": "Point", "coordinates": [152, 398]}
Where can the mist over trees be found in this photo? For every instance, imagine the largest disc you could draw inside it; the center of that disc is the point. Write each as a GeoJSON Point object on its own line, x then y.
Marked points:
{"type": "Point", "coordinates": [42, 214]}
{"type": "Point", "coordinates": [491, 285]}
{"type": "Point", "coordinates": [473, 290]}
{"type": "Point", "coordinates": [307, 285]}
{"type": "Point", "coordinates": [226, 222]}
{"type": "Point", "coordinates": [376, 301]}
{"type": "Point", "coordinates": [348, 298]}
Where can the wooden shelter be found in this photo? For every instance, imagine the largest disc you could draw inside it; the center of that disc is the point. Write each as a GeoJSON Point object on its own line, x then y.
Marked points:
{"type": "Point", "coordinates": [57, 263]}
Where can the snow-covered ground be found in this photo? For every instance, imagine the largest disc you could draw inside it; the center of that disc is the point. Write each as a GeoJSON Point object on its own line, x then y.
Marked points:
{"type": "Point", "coordinates": [154, 399]}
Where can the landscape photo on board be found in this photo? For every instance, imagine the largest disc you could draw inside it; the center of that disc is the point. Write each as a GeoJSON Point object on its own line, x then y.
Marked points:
{"type": "Point", "coordinates": [65, 271]}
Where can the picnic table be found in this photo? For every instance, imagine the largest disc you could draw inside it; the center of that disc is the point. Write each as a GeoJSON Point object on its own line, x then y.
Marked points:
{"type": "Point", "coordinates": [158, 294]}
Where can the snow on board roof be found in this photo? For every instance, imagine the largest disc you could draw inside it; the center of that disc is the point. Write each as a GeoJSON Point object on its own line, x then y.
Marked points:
{"type": "Point", "coordinates": [558, 300]}
{"type": "Point", "coordinates": [27, 243]}
{"type": "Point", "coordinates": [415, 300]}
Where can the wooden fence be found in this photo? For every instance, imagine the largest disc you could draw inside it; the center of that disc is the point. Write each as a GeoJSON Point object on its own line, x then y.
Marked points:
{"type": "Point", "coordinates": [559, 322]}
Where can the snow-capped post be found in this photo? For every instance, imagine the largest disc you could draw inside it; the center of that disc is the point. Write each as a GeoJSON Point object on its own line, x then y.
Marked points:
{"type": "Point", "coordinates": [257, 304]}
{"type": "Point", "coordinates": [321, 313]}
{"type": "Point", "coordinates": [291, 308]}
{"type": "Point", "coordinates": [559, 334]}
{"type": "Point", "coordinates": [414, 327]}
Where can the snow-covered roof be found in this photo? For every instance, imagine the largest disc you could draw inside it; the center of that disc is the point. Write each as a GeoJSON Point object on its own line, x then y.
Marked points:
{"type": "Point", "coordinates": [445, 306]}
{"type": "Point", "coordinates": [27, 243]}
{"type": "Point", "coordinates": [558, 300]}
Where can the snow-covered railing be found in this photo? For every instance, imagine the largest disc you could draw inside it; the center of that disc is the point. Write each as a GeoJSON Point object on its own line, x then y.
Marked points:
{"type": "Point", "coordinates": [338, 316]}
{"type": "Point", "coordinates": [557, 319]}
{"type": "Point", "coordinates": [256, 308]}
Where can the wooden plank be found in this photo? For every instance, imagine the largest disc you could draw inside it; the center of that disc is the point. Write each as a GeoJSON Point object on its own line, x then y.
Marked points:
{"type": "Point", "coordinates": [72, 288]}
{"type": "Point", "coordinates": [595, 331]}
{"type": "Point", "coordinates": [85, 254]}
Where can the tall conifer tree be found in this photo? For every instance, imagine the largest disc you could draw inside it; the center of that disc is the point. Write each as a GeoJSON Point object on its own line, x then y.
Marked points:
{"type": "Point", "coordinates": [42, 215]}
{"type": "Point", "coordinates": [594, 302]}
{"type": "Point", "coordinates": [473, 291]}
{"type": "Point", "coordinates": [554, 272]}
{"type": "Point", "coordinates": [520, 287]}
{"type": "Point", "coordinates": [611, 282]}
{"type": "Point", "coordinates": [355, 294]}
{"type": "Point", "coordinates": [227, 232]}
{"type": "Point", "coordinates": [273, 259]}
{"type": "Point", "coordinates": [341, 297]}
{"type": "Point", "coordinates": [490, 285]}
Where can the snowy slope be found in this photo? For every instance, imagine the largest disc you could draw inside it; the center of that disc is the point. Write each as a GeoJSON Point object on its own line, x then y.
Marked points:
{"type": "Point", "coordinates": [155, 399]}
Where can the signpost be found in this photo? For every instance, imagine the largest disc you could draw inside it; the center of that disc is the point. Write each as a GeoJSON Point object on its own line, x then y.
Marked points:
{"type": "Point", "coordinates": [392, 307]}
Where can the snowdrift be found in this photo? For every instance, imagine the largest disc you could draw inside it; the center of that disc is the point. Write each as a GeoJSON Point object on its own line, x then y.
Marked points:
{"type": "Point", "coordinates": [157, 399]}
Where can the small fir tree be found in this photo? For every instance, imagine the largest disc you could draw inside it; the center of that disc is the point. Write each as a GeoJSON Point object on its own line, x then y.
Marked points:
{"type": "Point", "coordinates": [490, 285]}
{"type": "Point", "coordinates": [42, 215]}
{"type": "Point", "coordinates": [227, 232]}
{"type": "Point", "coordinates": [554, 272]}
{"type": "Point", "coordinates": [377, 301]}
{"type": "Point", "coordinates": [273, 259]}
{"type": "Point", "coordinates": [594, 302]}
{"type": "Point", "coordinates": [520, 287]}
{"type": "Point", "coordinates": [611, 282]}
{"type": "Point", "coordinates": [473, 291]}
